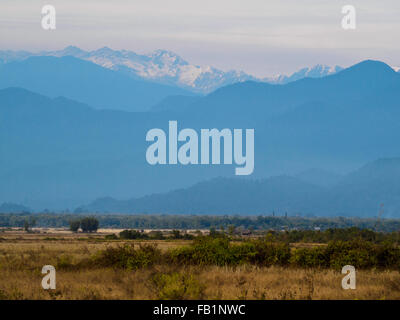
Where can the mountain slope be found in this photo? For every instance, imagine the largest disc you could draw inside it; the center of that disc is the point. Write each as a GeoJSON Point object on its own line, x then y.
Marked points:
{"type": "Point", "coordinates": [358, 194]}
{"type": "Point", "coordinates": [85, 82]}
{"type": "Point", "coordinates": [319, 177]}
{"type": "Point", "coordinates": [220, 196]}
{"type": "Point", "coordinates": [58, 153]}
{"type": "Point", "coordinates": [318, 71]}
{"type": "Point", "coordinates": [363, 191]}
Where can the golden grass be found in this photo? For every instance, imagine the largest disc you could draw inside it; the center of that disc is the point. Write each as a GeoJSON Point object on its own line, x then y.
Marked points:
{"type": "Point", "coordinates": [218, 283]}
{"type": "Point", "coordinates": [21, 261]}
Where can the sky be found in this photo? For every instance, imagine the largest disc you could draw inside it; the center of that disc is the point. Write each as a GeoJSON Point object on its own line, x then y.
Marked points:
{"type": "Point", "coordinates": [260, 37]}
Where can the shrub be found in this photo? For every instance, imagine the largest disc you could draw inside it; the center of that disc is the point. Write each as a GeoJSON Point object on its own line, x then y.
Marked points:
{"type": "Point", "coordinates": [64, 262]}
{"type": "Point", "coordinates": [219, 251]}
{"type": "Point", "coordinates": [177, 286]}
{"type": "Point", "coordinates": [267, 253]}
{"type": "Point", "coordinates": [132, 234]}
{"type": "Point", "coordinates": [127, 257]}
{"type": "Point", "coordinates": [388, 256]}
{"type": "Point", "coordinates": [360, 254]}
{"type": "Point", "coordinates": [204, 251]}
{"type": "Point", "coordinates": [310, 257]}
{"type": "Point", "coordinates": [156, 235]}
{"type": "Point", "coordinates": [111, 237]}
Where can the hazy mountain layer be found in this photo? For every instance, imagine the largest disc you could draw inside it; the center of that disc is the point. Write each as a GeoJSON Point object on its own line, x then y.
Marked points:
{"type": "Point", "coordinates": [58, 153]}
{"type": "Point", "coordinates": [85, 82]}
{"type": "Point", "coordinates": [357, 194]}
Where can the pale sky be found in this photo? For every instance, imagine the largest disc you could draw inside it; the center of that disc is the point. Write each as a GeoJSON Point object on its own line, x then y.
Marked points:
{"type": "Point", "coordinates": [261, 37]}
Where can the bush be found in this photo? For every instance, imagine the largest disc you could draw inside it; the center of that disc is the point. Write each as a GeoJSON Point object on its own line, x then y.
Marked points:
{"type": "Point", "coordinates": [111, 237]}
{"type": "Point", "coordinates": [177, 286]}
{"type": "Point", "coordinates": [204, 251]}
{"type": "Point", "coordinates": [358, 253]}
{"type": "Point", "coordinates": [156, 235]}
{"type": "Point", "coordinates": [64, 262]}
{"type": "Point", "coordinates": [127, 257]}
{"type": "Point", "coordinates": [310, 257]}
{"type": "Point", "coordinates": [267, 253]}
{"type": "Point", "coordinates": [132, 234]}
{"type": "Point", "coordinates": [388, 257]}
{"type": "Point", "coordinates": [219, 251]}
{"type": "Point", "coordinates": [176, 234]}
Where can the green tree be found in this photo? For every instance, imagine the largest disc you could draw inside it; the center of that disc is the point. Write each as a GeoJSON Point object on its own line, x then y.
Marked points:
{"type": "Point", "coordinates": [176, 234]}
{"type": "Point", "coordinates": [74, 225]}
{"type": "Point", "coordinates": [89, 224]}
{"type": "Point", "coordinates": [28, 224]}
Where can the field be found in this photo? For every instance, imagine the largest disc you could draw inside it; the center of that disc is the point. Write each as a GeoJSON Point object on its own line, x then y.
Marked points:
{"type": "Point", "coordinates": [22, 256]}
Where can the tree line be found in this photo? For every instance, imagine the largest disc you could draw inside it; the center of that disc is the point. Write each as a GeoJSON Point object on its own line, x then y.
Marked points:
{"type": "Point", "coordinates": [127, 221]}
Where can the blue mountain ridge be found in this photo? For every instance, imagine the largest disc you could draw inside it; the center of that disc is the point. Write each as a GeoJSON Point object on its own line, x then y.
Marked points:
{"type": "Point", "coordinates": [58, 153]}
{"type": "Point", "coordinates": [85, 82]}
{"type": "Point", "coordinates": [359, 193]}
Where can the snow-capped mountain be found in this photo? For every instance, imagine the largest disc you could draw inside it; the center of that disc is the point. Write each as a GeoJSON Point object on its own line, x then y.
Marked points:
{"type": "Point", "coordinates": [166, 67]}
{"type": "Point", "coordinates": [159, 66]}
{"type": "Point", "coordinates": [317, 71]}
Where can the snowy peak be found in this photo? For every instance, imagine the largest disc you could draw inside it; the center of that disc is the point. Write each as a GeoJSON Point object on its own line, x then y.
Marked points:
{"type": "Point", "coordinates": [72, 51]}
{"type": "Point", "coordinates": [167, 67]}
{"type": "Point", "coordinates": [318, 71]}
{"type": "Point", "coordinates": [167, 58]}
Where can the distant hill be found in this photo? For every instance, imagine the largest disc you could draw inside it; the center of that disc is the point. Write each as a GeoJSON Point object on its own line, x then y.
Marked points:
{"type": "Point", "coordinates": [220, 196]}
{"type": "Point", "coordinates": [13, 208]}
{"type": "Point", "coordinates": [319, 177]}
{"type": "Point", "coordinates": [362, 191]}
{"type": "Point", "coordinates": [357, 194]}
{"type": "Point", "coordinates": [58, 153]}
{"type": "Point", "coordinates": [175, 103]}
{"type": "Point", "coordinates": [85, 82]}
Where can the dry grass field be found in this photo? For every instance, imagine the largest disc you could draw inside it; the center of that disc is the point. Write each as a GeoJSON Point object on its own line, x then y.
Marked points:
{"type": "Point", "coordinates": [23, 255]}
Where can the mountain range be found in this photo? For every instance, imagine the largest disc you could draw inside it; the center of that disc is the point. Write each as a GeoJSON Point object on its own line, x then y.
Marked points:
{"type": "Point", "coordinates": [85, 82]}
{"type": "Point", "coordinates": [59, 153]}
{"type": "Point", "coordinates": [359, 193]}
{"type": "Point", "coordinates": [166, 67]}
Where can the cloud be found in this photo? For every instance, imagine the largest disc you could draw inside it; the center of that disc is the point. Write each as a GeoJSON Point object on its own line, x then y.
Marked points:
{"type": "Point", "coordinates": [250, 27]}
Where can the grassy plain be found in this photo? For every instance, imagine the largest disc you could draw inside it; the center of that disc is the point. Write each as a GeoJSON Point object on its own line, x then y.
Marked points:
{"type": "Point", "coordinates": [22, 256]}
